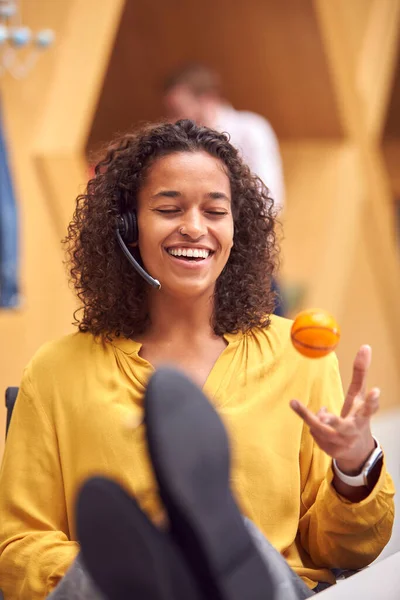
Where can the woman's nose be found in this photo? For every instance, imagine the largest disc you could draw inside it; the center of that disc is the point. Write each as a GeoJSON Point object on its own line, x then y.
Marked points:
{"type": "Point", "coordinates": [193, 226]}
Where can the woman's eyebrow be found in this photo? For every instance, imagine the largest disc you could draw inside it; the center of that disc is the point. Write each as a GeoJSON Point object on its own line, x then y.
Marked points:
{"type": "Point", "coordinates": [176, 194]}
{"type": "Point", "coordinates": [167, 194]}
{"type": "Point", "coordinates": [218, 196]}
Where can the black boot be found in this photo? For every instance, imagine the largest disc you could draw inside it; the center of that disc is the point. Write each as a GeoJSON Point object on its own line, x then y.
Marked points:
{"type": "Point", "coordinates": [189, 450]}
{"type": "Point", "coordinates": [125, 554]}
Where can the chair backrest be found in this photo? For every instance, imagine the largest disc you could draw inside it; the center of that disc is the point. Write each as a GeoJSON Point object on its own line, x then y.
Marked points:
{"type": "Point", "coordinates": [11, 396]}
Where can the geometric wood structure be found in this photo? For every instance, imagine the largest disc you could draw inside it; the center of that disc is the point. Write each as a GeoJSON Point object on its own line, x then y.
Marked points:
{"type": "Point", "coordinates": [47, 117]}
{"type": "Point", "coordinates": [327, 76]}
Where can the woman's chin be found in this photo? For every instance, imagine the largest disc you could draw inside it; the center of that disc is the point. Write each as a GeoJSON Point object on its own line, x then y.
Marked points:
{"type": "Point", "coordinates": [188, 288]}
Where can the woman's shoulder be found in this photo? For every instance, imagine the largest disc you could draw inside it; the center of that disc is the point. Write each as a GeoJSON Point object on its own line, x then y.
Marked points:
{"type": "Point", "coordinates": [275, 339]}
{"type": "Point", "coordinates": [275, 334]}
{"type": "Point", "coordinates": [64, 353]}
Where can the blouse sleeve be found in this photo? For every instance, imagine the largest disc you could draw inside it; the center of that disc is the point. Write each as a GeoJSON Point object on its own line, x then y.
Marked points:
{"type": "Point", "coordinates": [35, 549]}
{"type": "Point", "coordinates": [335, 532]}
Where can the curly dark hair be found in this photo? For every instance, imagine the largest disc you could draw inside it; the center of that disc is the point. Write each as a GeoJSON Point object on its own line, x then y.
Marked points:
{"type": "Point", "coordinates": [113, 295]}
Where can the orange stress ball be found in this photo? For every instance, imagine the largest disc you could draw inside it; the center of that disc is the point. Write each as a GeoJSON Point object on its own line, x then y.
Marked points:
{"type": "Point", "coordinates": [315, 333]}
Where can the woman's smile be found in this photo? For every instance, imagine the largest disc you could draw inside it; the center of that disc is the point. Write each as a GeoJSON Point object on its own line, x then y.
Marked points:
{"type": "Point", "coordinates": [190, 258]}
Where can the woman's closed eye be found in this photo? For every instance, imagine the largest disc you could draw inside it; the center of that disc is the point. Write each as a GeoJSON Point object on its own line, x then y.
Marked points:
{"type": "Point", "coordinates": [173, 211]}
{"type": "Point", "coordinates": [168, 211]}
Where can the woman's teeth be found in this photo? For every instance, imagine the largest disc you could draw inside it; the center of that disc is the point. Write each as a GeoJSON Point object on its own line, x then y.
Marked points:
{"type": "Point", "coordinates": [189, 252]}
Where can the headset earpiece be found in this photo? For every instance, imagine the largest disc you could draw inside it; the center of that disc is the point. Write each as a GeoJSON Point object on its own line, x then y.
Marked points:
{"type": "Point", "coordinates": [127, 226]}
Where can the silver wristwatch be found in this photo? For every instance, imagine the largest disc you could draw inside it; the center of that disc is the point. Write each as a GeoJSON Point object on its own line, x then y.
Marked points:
{"type": "Point", "coordinates": [369, 473]}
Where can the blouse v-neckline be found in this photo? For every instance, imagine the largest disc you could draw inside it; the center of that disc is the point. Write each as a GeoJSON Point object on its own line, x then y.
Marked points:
{"type": "Point", "coordinates": [216, 375]}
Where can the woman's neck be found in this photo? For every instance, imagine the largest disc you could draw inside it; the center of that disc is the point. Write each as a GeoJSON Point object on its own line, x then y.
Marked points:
{"type": "Point", "coordinates": [172, 318]}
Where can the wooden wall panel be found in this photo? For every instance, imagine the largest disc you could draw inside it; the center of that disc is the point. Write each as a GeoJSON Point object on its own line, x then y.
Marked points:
{"type": "Point", "coordinates": [47, 116]}
{"type": "Point", "coordinates": [325, 192]}
{"type": "Point", "coordinates": [392, 124]}
{"type": "Point", "coordinates": [364, 320]}
{"type": "Point", "coordinates": [391, 153]}
{"type": "Point", "coordinates": [355, 17]}
{"type": "Point", "coordinates": [270, 56]}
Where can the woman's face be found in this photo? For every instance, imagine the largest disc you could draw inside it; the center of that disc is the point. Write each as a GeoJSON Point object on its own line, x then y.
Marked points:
{"type": "Point", "coordinates": [185, 222]}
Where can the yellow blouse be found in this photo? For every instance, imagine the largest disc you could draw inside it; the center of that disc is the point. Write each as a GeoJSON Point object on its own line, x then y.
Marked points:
{"type": "Point", "coordinates": [70, 422]}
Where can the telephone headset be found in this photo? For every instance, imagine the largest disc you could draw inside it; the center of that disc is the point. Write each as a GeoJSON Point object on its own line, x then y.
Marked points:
{"type": "Point", "coordinates": [126, 230]}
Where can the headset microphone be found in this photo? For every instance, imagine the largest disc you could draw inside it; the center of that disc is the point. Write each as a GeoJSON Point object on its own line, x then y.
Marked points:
{"type": "Point", "coordinates": [126, 232]}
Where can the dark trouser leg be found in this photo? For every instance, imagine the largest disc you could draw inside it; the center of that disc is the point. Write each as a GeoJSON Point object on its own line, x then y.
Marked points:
{"type": "Point", "coordinates": [287, 584]}
{"type": "Point", "coordinates": [78, 585]}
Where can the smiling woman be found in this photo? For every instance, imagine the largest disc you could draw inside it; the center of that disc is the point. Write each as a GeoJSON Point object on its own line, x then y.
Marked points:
{"type": "Point", "coordinates": [189, 188]}
{"type": "Point", "coordinates": [202, 225]}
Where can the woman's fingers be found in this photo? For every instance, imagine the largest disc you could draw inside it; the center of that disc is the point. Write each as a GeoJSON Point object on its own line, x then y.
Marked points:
{"type": "Point", "coordinates": [365, 407]}
{"type": "Point", "coordinates": [335, 446]}
{"type": "Point", "coordinates": [330, 419]}
{"type": "Point", "coordinates": [323, 421]}
{"type": "Point", "coordinates": [313, 421]}
{"type": "Point", "coordinates": [334, 428]}
{"type": "Point", "coordinates": [361, 365]}
{"type": "Point", "coordinates": [337, 432]}
{"type": "Point", "coordinates": [340, 436]}
{"type": "Point", "coordinates": [371, 403]}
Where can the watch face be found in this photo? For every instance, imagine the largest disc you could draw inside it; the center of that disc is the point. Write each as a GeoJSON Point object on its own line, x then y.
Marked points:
{"type": "Point", "coordinates": [374, 471]}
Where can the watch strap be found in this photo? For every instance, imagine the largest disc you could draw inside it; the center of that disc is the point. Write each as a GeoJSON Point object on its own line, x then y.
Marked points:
{"type": "Point", "coordinates": [362, 478]}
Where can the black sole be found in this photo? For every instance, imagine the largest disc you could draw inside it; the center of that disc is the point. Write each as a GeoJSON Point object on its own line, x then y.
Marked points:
{"type": "Point", "coordinates": [190, 453]}
{"type": "Point", "coordinates": [125, 554]}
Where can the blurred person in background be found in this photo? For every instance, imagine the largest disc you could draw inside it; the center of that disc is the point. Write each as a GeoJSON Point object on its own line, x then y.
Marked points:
{"type": "Point", "coordinates": [195, 92]}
